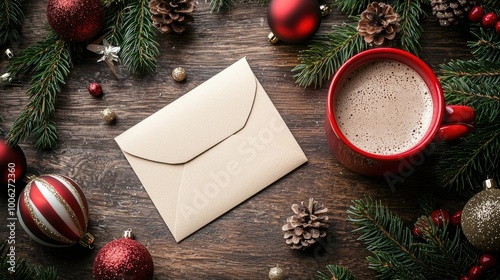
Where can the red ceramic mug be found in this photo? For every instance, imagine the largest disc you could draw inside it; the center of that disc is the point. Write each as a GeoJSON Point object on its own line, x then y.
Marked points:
{"type": "Point", "coordinates": [384, 107]}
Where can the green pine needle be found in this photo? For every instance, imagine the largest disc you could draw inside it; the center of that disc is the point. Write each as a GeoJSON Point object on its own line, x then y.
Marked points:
{"type": "Point", "coordinates": [337, 273]}
{"type": "Point", "coordinates": [389, 240]}
{"type": "Point", "coordinates": [352, 7]}
{"type": "Point", "coordinates": [114, 27]}
{"type": "Point", "coordinates": [217, 6]}
{"type": "Point", "coordinates": [50, 60]}
{"type": "Point", "coordinates": [11, 20]}
{"type": "Point", "coordinates": [410, 12]}
{"type": "Point", "coordinates": [139, 48]}
{"type": "Point", "coordinates": [487, 46]}
{"type": "Point", "coordinates": [23, 271]}
{"type": "Point", "coordinates": [322, 59]}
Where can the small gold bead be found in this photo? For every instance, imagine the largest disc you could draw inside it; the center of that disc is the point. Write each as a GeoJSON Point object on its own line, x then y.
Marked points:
{"type": "Point", "coordinates": [108, 115]}
{"type": "Point", "coordinates": [276, 273]}
{"type": "Point", "coordinates": [179, 74]}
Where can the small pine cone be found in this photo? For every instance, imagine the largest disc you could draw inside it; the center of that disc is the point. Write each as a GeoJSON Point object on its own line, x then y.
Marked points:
{"type": "Point", "coordinates": [379, 24]}
{"type": "Point", "coordinates": [307, 225]}
{"type": "Point", "coordinates": [172, 15]}
{"type": "Point", "coordinates": [451, 12]}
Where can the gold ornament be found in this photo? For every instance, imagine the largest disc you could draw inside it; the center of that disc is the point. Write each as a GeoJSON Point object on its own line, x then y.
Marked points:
{"type": "Point", "coordinates": [108, 115]}
{"type": "Point", "coordinates": [481, 217]}
{"type": "Point", "coordinates": [276, 273]}
{"type": "Point", "coordinates": [179, 74]}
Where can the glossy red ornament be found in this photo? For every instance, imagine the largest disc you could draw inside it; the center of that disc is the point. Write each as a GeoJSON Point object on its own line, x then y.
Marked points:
{"type": "Point", "coordinates": [475, 273]}
{"type": "Point", "coordinates": [489, 20]}
{"type": "Point", "coordinates": [487, 261]}
{"type": "Point", "coordinates": [75, 20]}
{"type": "Point", "coordinates": [12, 168]}
{"type": "Point", "coordinates": [464, 277]}
{"type": "Point", "coordinates": [123, 258]}
{"type": "Point", "coordinates": [497, 27]}
{"type": "Point", "coordinates": [456, 219]}
{"type": "Point", "coordinates": [54, 212]}
{"type": "Point", "coordinates": [440, 217]}
{"type": "Point", "coordinates": [417, 233]}
{"type": "Point", "coordinates": [95, 89]}
{"type": "Point", "coordinates": [294, 21]}
{"type": "Point", "coordinates": [476, 14]}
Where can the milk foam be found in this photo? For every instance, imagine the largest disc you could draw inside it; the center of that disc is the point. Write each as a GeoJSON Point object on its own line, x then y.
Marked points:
{"type": "Point", "coordinates": [384, 107]}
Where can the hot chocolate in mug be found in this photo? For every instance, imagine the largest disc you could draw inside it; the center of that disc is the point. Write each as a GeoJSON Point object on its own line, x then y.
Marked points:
{"type": "Point", "coordinates": [384, 107]}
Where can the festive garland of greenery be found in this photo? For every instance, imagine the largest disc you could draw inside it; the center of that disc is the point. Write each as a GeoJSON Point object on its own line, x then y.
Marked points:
{"type": "Point", "coordinates": [11, 20]}
{"type": "Point", "coordinates": [50, 61]}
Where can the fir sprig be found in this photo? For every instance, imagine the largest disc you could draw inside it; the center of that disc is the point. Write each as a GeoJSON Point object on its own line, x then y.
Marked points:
{"type": "Point", "coordinates": [217, 6]}
{"type": "Point", "coordinates": [114, 26]}
{"type": "Point", "coordinates": [322, 59]}
{"type": "Point", "coordinates": [324, 56]}
{"type": "Point", "coordinates": [442, 253]}
{"type": "Point", "coordinates": [23, 270]}
{"type": "Point", "coordinates": [139, 49]}
{"type": "Point", "coordinates": [487, 45]}
{"type": "Point", "coordinates": [11, 20]}
{"type": "Point", "coordinates": [50, 61]}
{"type": "Point", "coordinates": [336, 272]}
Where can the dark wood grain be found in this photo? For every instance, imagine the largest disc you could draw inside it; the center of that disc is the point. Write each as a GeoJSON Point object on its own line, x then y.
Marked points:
{"type": "Point", "coordinates": [247, 241]}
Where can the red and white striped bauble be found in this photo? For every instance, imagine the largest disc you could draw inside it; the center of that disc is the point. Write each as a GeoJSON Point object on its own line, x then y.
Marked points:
{"type": "Point", "coordinates": [54, 212]}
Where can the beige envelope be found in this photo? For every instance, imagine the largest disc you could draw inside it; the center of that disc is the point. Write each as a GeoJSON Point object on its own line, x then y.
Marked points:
{"type": "Point", "coordinates": [211, 149]}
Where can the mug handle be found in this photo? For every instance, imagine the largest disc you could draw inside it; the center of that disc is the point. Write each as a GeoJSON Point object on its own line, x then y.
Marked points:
{"type": "Point", "coordinates": [458, 121]}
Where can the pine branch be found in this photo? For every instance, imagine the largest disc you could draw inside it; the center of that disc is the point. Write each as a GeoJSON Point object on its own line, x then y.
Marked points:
{"type": "Point", "coordinates": [11, 20]}
{"type": "Point", "coordinates": [51, 63]}
{"type": "Point", "coordinates": [23, 271]}
{"type": "Point", "coordinates": [450, 254]}
{"type": "Point", "coordinates": [336, 273]}
{"type": "Point", "coordinates": [217, 6]}
{"type": "Point", "coordinates": [322, 59]}
{"type": "Point", "coordinates": [114, 27]}
{"type": "Point", "coordinates": [465, 165]}
{"type": "Point", "coordinates": [410, 12]}
{"type": "Point", "coordinates": [389, 241]}
{"type": "Point", "coordinates": [487, 46]}
{"type": "Point", "coordinates": [139, 48]}
{"type": "Point", "coordinates": [352, 7]}
{"type": "Point", "coordinates": [477, 71]}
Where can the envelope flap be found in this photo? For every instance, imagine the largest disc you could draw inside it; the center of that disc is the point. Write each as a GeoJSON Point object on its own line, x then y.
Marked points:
{"type": "Point", "coordinates": [196, 121]}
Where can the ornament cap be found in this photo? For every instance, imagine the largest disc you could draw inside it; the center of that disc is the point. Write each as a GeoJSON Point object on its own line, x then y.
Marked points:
{"type": "Point", "coordinates": [489, 184]}
{"type": "Point", "coordinates": [325, 10]}
{"type": "Point", "coordinates": [87, 241]}
{"type": "Point", "coordinates": [272, 38]}
{"type": "Point", "coordinates": [9, 53]}
{"type": "Point", "coordinates": [128, 234]}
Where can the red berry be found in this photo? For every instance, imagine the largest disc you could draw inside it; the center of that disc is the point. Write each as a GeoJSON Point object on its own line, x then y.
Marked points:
{"type": "Point", "coordinates": [475, 273]}
{"type": "Point", "coordinates": [464, 277]}
{"type": "Point", "coordinates": [456, 219]}
{"type": "Point", "coordinates": [417, 233]}
{"type": "Point", "coordinates": [95, 89]}
{"type": "Point", "coordinates": [489, 20]}
{"type": "Point", "coordinates": [487, 261]}
{"type": "Point", "coordinates": [476, 14]}
{"type": "Point", "coordinates": [440, 217]}
{"type": "Point", "coordinates": [497, 27]}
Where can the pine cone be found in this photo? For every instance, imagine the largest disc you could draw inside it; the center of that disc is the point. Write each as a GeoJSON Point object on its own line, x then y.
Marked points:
{"type": "Point", "coordinates": [307, 225]}
{"type": "Point", "coordinates": [451, 12]}
{"type": "Point", "coordinates": [379, 24]}
{"type": "Point", "coordinates": [172, 15]}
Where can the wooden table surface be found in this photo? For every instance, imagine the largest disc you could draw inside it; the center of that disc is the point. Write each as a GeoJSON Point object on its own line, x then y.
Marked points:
{"type": "Point", "coordinates": [247, 241]}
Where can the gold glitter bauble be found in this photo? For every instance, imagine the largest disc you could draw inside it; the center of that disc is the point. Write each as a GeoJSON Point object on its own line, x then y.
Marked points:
{"type": "Point", "coordinates": [108, 115]}
{"type": "Point", "coordinates": [480, 220]}
{"type": "Point", "coordinates": [179, 74]}
{"type": "Point", "coordinates": [276, 273]}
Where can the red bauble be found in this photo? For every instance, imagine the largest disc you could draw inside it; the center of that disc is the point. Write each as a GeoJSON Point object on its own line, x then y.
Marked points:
{"type": "Point", "coordinates": [489, 20]}
{"type": "Point", "coordinates": [75, 20]}
{"type": "Point", "coordinates": [12, 168]}
{"type": "Point", "coordinates": [95, 89]}
{"type": "Point", "coordinates": [497, 27]}
{"type": "Point", "coordinates": [487, 261]}
{"type": "Point", "coordinates": [476, 14]}
{"type": "Point", "coordinates": [123, 258]}
{"type": "Point", "coordinates": [475, 273]}
{"type": "Point", "coordinates": [456, 219]}
{"type": "Point", "coordinates": [440, 217]}
{"type": "Point", "coordinates": [294, 21]}
{"type": "Point", "coordinates": [417, 233]}
{"type": "Point", "coordinates": [54, 212]}
{"type": "Point", "coordinates": [464, 277]}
